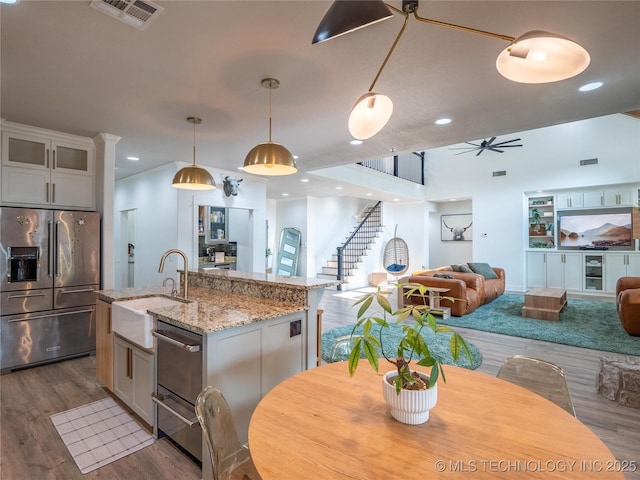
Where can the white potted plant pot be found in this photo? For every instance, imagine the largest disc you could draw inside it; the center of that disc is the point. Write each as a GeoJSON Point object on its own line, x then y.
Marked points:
{"type": "Point", "coordinates": [410, 406]}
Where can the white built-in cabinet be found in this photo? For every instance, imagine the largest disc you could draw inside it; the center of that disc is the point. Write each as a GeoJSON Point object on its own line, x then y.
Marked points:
{"type": "Point", "coordinates": [554, 270]}
{"type": "Point", "coordinates": [569, 200]}
{"type": "Point", "coordinates": [586, 272]}
{"type": "Point", "coordinates": [43, 168]}
{"type": "Point", "coordinates": [613, 197]}
{"type": "Point", "coordinates": [618, 265]}
{"type": "Point", "coordinates": [133, 377]}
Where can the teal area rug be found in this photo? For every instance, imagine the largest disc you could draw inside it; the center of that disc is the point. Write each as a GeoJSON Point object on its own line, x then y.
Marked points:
{"type": "Point", "coordinates": [583, 323]}
{"type": "Point", "coordinates": [438, 345]}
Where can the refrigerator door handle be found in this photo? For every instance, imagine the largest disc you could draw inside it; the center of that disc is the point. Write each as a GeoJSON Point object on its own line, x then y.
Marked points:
{"type": "Point", "coordinates": [56, 265]}
{"type": "Point", "coordinates": [27, 295]}
{"type": "Point", "coordinates": [81, 290]}
{"type": "Point", "coordinates": [51, 250]}
{"type": "Point", "coordinates": [9, 263]}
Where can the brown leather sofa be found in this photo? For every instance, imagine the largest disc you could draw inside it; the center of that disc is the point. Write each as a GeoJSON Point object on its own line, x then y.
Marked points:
{"type": "Point", "coordinates": [628, 304]}
{"type": "Point", "coordinates": [470, 290]}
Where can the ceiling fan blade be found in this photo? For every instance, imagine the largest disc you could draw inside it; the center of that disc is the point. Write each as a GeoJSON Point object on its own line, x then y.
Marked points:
{"type": "Point", "coordinates": [507, 146]}
{"type": "Point", "coordinates": [480, 151]}
{"type": "Point", "coordinates": [506, 141]}
{"type": "Point", "coordinates": [491, 140]}
{"type": "Point", "coordinates": [496, 150]}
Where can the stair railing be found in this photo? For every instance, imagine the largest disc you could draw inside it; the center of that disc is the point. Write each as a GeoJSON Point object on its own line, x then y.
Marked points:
{"type": "Point", "coordinates": [349, 253]}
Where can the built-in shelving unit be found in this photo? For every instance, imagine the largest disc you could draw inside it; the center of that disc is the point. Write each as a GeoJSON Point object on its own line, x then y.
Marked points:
{"type": "Point", "coordinates": [541, 222]}
{"type": "Point", "coordinates": [593, 272]}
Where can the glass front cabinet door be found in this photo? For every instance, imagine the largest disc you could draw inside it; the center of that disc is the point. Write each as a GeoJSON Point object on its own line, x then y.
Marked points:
{"type": "Point", "coordinates": [218, 224]}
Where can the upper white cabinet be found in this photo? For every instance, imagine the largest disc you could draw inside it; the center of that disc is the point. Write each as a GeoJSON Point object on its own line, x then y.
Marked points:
{"type": "Point", "coordinates": [47, 168]}
{"type": "Point", "coordinates": [570, 200]}
{"type": "Point", "coordinates": [614, 197]}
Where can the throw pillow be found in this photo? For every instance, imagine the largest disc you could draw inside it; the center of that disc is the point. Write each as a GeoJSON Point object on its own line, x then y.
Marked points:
{"type": "Point", "coordinates": [461, 269]}
{"type": "Point", "coordinates": [483, 269]}
{"type": "Point", "coordinates": [442, 275]}
{"type": "Point", "coordinates": [394, 267]}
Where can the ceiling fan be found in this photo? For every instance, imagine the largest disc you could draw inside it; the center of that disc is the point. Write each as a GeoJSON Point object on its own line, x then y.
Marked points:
{"type": "Point", "coordinates": [487, 145]}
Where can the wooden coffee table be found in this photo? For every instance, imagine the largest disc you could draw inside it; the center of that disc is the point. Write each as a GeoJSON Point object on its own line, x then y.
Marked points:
{"type": "Point", "coordinates": [544, 303]}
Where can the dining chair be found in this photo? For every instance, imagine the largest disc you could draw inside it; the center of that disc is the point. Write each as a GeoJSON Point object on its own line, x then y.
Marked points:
{"type": "Point", "coordinates": [230, 459]}
{"type": "Point", "coordinates": [539, 376]}
{"type": "Point", "coordinates": [341, 348]}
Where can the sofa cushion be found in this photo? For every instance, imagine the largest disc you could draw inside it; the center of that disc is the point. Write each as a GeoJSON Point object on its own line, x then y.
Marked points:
{"type": "Point", "coordinates": [442, 275]}
{"type": "Point", "coordinates": [483, 269]}
{"type": "Point", "coordinates": [461, 268]}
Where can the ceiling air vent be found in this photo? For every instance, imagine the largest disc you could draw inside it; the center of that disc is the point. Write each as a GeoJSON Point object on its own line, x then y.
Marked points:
{"type": "Point", "coordinates": [589, 161]}
{"type": "Point", "coordinates": [137, 13]}
{"type": "Point", "coordinates": [499, 173]}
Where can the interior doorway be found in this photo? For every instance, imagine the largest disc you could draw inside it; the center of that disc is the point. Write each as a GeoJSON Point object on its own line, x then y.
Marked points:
{"type": "Point", "coordinates": [127, 248]}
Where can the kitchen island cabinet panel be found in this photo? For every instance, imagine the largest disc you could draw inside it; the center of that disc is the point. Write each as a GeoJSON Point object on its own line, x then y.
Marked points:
{"type": "Point", "coordinates": [104, 344]}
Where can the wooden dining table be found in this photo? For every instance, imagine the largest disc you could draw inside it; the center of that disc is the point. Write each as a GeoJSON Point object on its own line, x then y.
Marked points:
{"type": "Point", "coordinates": [323, 424]}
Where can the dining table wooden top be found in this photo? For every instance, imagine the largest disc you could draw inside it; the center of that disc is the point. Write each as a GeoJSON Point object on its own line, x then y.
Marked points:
{"type": "Point", "coordinates": [325, 425]}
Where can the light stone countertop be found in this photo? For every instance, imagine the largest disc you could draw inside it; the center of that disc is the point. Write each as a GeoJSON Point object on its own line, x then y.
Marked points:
{"type": "Point", "coordinates": [302, 283]}
{"type": "Point", "coordinates": [207, 310]}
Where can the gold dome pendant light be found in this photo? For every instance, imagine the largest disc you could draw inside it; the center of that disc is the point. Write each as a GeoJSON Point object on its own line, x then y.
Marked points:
{"type": "Point", "coordinates": [270, 158]}
{"type": "Point", "coordinates": [194, 177]}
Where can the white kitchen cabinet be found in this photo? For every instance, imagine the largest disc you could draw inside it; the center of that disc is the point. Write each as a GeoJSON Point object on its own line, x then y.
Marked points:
{"type": "Point", "coordinates": [569, 200]}
{"type": "Point", "coordinates": [47, 168]}
{"type": "Point", "coordinates": [278, 351]}
{"type": "Point", "coordinates": [618, 265]}
{"type": "Point", "coordinates": [133, 377]}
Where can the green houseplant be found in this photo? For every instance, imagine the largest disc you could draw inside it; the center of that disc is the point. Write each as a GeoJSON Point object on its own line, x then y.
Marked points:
{"type": "Point", "coordinates": [411, 346]}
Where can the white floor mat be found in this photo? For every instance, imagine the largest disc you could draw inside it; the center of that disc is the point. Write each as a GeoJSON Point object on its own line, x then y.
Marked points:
{"type": "Point", "coordinates": [100, 433]}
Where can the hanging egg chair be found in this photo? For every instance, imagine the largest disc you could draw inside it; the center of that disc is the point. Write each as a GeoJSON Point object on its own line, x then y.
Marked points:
{"type": "Point", "coordinates": [396, 255]}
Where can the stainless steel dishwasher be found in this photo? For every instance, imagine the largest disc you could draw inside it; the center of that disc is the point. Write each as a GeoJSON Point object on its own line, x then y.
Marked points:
{"type": "Point", "coordinates": [179, 381]}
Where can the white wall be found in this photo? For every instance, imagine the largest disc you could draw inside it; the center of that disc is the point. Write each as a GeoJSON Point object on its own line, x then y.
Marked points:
{"type": "Point", "coordinates": [167, 218]}
{"type": "Point", "coordinates": [548, 160]}
{"type": "Point", "coordinates": [446, 252]}
{"type": "Point", "coordinates": [153, 198]}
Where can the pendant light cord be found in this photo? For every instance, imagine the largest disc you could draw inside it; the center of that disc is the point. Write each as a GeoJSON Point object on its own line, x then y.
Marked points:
{"type": "Point", "coordinates": [270, 89]}
{"type": "Point", "coordinates": [194, 143]}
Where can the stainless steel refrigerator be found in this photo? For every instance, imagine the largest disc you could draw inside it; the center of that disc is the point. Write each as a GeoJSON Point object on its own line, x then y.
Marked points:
{"type": "Point", "coordinates": [49, 271]}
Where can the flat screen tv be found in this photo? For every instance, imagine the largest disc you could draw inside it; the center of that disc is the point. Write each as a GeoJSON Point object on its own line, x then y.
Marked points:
{"type": "Point", "coordinates": [588, 229]}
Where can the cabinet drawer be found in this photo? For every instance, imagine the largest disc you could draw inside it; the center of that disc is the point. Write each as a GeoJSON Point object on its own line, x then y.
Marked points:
{"type": "Point", "coordinates": [37, 337]}
{"type": "Point", "coordinates": [20, 301]}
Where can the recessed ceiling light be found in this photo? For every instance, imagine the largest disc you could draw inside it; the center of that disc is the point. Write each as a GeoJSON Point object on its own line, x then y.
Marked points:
{"type": "Point", "coordinates": [396, 199]}
{"type": "Point", "coordinates": [443, 121]}
{"type": "Point", "coordinates": [452, 199]}
{"type": "Point", "coordinates": [285, 194]}
{"type": "Point", "coordinates": [296, 157]}
{"type": "Point", "coordinates": [133, 159]}
{"type": "Point", "coordinates": [369, 194]}
{"type": "Point", "coordinates": [339, 188]}
{"type": "Point", "coordinates": [590, 86]}
{"type": "Point", "coordinates": [304, 180]}
{"type": "Point", "coordinates": [356, 142]}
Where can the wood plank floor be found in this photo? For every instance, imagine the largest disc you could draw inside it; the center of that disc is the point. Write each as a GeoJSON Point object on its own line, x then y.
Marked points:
{"type": "Point", "coordinates": [617, 426]}
{"type": "Point", "coordinates": [31, 448]}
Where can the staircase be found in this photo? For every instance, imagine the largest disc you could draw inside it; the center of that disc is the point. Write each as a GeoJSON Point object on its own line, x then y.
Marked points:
{"type": "Point", "coordinates": [344, 263]}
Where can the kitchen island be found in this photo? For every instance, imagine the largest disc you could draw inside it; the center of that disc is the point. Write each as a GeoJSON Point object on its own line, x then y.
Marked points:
{"type": "Point", "coordinates": [255, 330]}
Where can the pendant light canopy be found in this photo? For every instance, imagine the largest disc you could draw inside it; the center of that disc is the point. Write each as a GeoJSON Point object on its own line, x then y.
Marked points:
{"type": "Point", "coordinates": [535, 57]}
{"type": "Point", "coordinates": [194, 177]}
{"type": "Point", "coordinates": [270, 158]}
